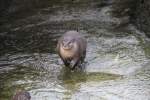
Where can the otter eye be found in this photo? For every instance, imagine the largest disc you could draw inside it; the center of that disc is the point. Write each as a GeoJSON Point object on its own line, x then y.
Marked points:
{"type": "Point", "coordinates": [69, 42]}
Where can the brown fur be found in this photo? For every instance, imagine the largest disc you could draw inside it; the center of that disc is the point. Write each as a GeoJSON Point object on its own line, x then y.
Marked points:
{"type": "Point", "coordinates": [22, 96]}
{"type": "Point", "coordinates": [77, 54]}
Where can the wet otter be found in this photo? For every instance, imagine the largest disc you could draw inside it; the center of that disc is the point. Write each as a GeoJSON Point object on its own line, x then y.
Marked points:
{"type": "Point", "coordinates": [22, 96]}
{"type": "Point", "coordinates": [71, 48]}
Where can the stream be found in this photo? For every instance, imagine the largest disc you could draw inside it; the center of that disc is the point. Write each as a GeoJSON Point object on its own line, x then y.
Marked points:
{"type": "Point", "coordinates": [117, 64]}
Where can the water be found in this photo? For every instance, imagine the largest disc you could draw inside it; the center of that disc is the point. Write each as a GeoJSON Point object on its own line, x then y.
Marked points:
{"type": "Point", "coordinates": [117, 61]}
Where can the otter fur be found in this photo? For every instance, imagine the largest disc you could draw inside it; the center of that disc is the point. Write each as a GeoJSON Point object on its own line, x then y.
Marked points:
{"type": "Point", "coordinates": [22, 95]}
{"type": "Point", "coordinates": [71, 48]}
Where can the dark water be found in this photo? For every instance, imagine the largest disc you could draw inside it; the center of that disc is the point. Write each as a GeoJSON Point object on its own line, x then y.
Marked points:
{"type": "Point", "coordinates": [117, 61]}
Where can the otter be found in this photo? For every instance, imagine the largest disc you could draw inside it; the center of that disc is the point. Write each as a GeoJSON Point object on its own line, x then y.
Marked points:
{"type": "Point", "coordinates": [22, 96]}
{"type": "Point", "coordinates": [71, 48]}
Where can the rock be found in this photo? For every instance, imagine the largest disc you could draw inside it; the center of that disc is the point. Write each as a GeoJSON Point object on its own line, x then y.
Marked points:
{"type": "Point", "coordinates": [142, 16]}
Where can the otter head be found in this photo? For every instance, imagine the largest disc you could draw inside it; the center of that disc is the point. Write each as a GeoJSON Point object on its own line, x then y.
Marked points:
{"type": "Point", "coordinates": [22, 95]}
{"type": "Point", "coordinates": [68, 43]}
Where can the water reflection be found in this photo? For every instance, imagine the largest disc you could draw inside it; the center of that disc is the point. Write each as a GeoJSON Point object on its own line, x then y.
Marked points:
{"type": "Point", "coordinates": [67, 84]}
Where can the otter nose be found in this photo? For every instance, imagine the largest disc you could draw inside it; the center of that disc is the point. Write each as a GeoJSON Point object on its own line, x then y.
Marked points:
{"type": "Point", "coordinates": [65, 43]}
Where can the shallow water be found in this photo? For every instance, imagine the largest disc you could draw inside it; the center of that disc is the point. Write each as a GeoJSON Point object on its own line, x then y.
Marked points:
{"type": "Point", "coordinates": [116, 65]}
